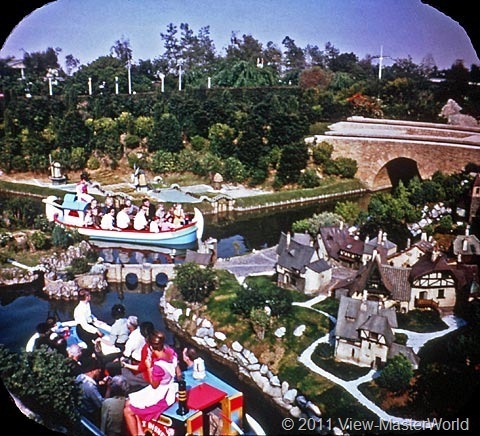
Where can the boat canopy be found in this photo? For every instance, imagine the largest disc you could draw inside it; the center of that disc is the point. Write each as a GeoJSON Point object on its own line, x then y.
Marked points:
{"type": "Point", "coordinates": [172, 195]}
{"type": "Point", "coordinates": [70, 202]}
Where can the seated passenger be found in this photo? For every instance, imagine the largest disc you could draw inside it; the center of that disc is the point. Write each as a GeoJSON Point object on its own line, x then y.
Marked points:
{"type": "Point", "coordinates": [130, 208]}
{"type": "Point", "coordinates": [109, 204]}
{"type": "Point", "coordinates": [108, 220]}
{"type": "Point", "coordinates": [154, 225]}
{"type": "Point", "coordinates": [160, 212]}
{"type": "Point", "coordinates": [96, 213]}
{"type": "Point", "coordinates": [140, 221]}
{"type": "Point", "coordinates": [123, 219]}
{"type": "Point", "coordinates": [88, 220]}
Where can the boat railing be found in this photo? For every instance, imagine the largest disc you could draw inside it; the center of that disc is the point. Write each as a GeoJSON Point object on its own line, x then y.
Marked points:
{"type": "Point", "coordinates": [91, 427]}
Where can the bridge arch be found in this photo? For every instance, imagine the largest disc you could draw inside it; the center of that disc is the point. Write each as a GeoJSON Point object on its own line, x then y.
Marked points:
{"type": "Point", "coordinates": [400, 168]}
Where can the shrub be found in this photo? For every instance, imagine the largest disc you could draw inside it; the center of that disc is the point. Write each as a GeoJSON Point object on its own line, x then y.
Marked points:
{"type": "Point", "coordinates": [43, 382]}
{"type": "Point", "coordinates": [79, 265]}
{"type": "Point", "coordinates": [60, 237]}
{"type": "Point", "coordinates": [93, 163]}
{"type": "Point", "coordinates": [257, 295]}
{"type": "Point", "coordinates": [39, 240]}
{"type": "Point", "coordinates": [194, 282]}
{"type": "Point", "coordinates": [397, 374]}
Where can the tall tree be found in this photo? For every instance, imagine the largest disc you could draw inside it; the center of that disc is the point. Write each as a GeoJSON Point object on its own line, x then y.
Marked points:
{"type": "Point", "coordinates": [122, 50]}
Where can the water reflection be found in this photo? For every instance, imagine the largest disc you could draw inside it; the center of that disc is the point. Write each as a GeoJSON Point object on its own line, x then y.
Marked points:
{"type": "Point", "coordinates": [138, 254]}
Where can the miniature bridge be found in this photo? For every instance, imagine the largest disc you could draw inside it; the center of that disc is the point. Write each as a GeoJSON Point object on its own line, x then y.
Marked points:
{"type": "Point", "coordinates": [420, 148]}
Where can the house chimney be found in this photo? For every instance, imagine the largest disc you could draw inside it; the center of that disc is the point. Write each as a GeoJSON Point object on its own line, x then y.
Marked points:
{"type": "Point", "coordinates": [289, 238]}
{"type": "Point", "coordinates": [423, 237]}
{"type": "Point", "coordinates": [434, 255]}
{"type": "Point", "coordinates": [465, 245]}
{"type": "Point", "coordinates": [384, 238]}
{"type": "Point", "coordinates": [379, 237]}
{"type": "Point", "coordinates": [467, 230]}
{"type": "Point", "coordinates": [367, 239]}
{"type": "Point", "coordinates": [341, 225]}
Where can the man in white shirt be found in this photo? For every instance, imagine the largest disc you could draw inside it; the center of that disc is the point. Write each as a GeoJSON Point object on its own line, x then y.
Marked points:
{"type": "Point", "coordinates": [140, 221]}
{"type": "Point", "coordinates": [135, 341]}
{"type": "Point", "coordinates": [85, 327]}
{"type": "Point", "coordinates": [123, 220]}
{"type": "Point", "coordinates": [108, 220]}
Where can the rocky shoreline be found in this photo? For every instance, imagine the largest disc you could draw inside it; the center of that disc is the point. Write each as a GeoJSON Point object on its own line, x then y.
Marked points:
{"type": "Point", "coordinates": [200, 332]}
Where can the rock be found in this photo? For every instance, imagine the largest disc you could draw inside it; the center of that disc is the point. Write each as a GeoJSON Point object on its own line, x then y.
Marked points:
{"type": "Point", "coordinates": [210, 342]}
{"type": "Point", "coordinates": [299, 330]}
{"type": "Point", "coordinates": [289, 396]}
{"type": "Point", "coordinates": [236, 346]}
{"type": "Point", "coordinates": [275, 381]}
{"type": "Point", "coordinates": [220, 336]}
{"type": "Point", "coordinates": [259, 379]}
{"type": "Point", "coordinates": [295, 412]}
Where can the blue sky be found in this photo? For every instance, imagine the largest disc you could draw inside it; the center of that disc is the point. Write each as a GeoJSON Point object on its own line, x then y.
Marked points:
{"type": "Point", "coordinates": [88, 29]}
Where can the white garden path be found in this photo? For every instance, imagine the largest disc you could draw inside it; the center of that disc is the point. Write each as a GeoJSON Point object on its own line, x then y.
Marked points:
{"type": "Point", "coordinates": [415, 340]}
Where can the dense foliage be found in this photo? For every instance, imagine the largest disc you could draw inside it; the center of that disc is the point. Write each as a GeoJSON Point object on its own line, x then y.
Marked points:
{"type": "Point", "coordinates": [397, 374]}
{"type": "Point", "coordinates": [43, 382]}
{"type": "Point", "coordinates": [258, 294]}
{"type": "Point", "coordinates": [243, 113]}
{"type": "Point", "coordinates": [194, 282]}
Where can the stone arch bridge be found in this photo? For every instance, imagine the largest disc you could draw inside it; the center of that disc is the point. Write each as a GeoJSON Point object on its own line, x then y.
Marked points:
{"type": "Point", "coordinates": [378, 144]}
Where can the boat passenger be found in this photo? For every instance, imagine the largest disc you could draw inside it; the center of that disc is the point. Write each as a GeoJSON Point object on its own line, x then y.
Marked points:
{"type": "Point", "coordinates": [150, 209]}
{"type": "Point", "coordinates": [178, 216]}
{"type": "Point", "coordinates": [112, 422]}
{"type": "Point", "coordinates": [132, 352]}
{"type": "Point", "coordinates": [96, 212]}
{"type": "Point", "coordinates": [108, 220]}
{"type": "Point", "coordinates": [82, 189]}
{"type": "Point", "coordinates": [151, 401]}
{"type": "Point", "coordinates": [131, 208]}
{"type": "Point", "coordinates": [135, 341]}
{"type": "Point", "coordinates": [109, 203]}
{"type": "Point", "coordinates": [135, 371]}
{"type": "Point", "coordinates": [170, 215]}
{"type": "Point", "coordinates": [58, 344]}
{"type": "Point", "coordinates": [160, 212]}
{"type": "Point", "coordinates": [155, 224]}
{"type": "Point", "coordinates": [90, 381]}
{"type": "Point", "coordinates": [88, 220]}
{"type": "Point", "coordinates": [140, 221]}
{"type": "Point", "coordinates": [74, 359]}
{"type": "Point", "coordinates": [85, 320]}
{"type": "Point", "coordinates": [123, 219]}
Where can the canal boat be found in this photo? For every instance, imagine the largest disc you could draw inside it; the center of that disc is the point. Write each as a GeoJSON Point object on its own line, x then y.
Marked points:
{"type": "Point", "coordinates": [203, 406]}
{"type": "Point", "coordinates": [70, 213]}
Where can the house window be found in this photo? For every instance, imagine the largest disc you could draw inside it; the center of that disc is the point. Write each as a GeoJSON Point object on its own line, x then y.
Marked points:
{"type": "Point", "coordinates": [374, 336]}
{"type": "Point", "coordinates": [441, 293]}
